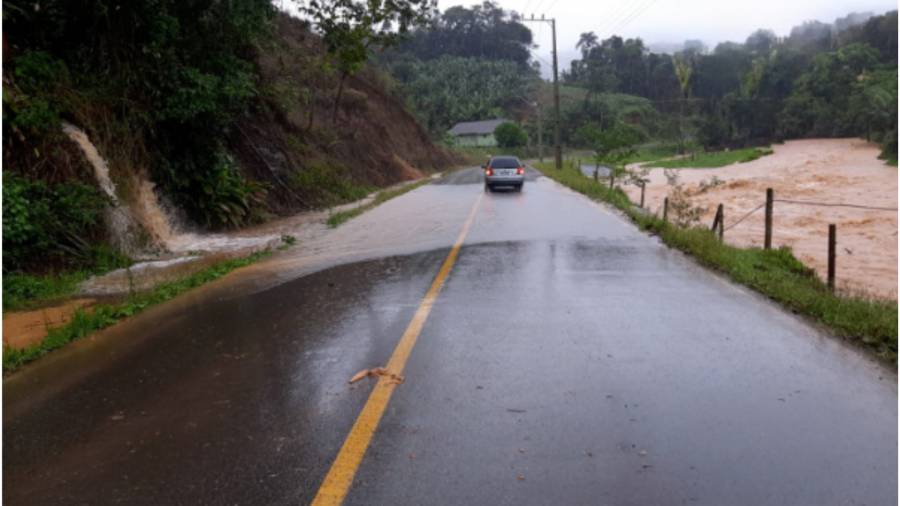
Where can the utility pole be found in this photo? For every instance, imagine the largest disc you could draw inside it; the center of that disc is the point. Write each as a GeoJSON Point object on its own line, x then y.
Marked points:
{"type": "Point", "coordinates": [556, 139]}
{"type": "Point", "coordinates": [540, 109]}
{"type": "Point", "coordinates": [557, 123]}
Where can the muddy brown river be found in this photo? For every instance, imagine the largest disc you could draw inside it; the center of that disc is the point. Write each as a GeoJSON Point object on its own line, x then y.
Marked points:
{"type": "Point", "coordinates": [834, 171]}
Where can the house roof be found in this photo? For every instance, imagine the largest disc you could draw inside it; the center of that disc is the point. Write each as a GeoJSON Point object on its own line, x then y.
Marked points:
{"type": "Point", "coordinates": [485, 127]}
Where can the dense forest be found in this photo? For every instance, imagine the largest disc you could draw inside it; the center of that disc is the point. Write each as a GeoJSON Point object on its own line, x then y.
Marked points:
{"type": "Point", "coordinates": [466, 64]}
{"type": "Point", "coordinates": [821, 80]}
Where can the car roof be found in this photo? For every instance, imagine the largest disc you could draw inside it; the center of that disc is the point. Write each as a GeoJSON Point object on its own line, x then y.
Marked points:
{"type": "Point", "coordinates": [505, 157]}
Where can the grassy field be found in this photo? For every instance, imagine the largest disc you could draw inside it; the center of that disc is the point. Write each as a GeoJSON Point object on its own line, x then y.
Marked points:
{"type": "Point", "coordinates": [776, 273]}
{"type": "Point", "coordinates": [383, 196]}
{"type": "Point", "coordinates": [712, 159]}
{"type": "Point", "coordinates": [652, 152]}
{"type": "Point", "coordinates": [101, 316]}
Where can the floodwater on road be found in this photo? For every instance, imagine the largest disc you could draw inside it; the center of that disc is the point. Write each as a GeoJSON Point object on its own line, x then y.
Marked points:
{"type": "Point", "coordinates": [845, 171]}
{"type": "Point", "coordinates": [568, 359]}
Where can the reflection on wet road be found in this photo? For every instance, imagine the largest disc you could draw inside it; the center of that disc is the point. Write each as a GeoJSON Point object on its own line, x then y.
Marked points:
{"type": "Point", "coordinates": [569, 359]}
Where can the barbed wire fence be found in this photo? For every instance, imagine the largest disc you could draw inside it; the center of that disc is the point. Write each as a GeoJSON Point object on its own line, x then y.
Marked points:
{"type": "Point", "coordinates": [720, 227]}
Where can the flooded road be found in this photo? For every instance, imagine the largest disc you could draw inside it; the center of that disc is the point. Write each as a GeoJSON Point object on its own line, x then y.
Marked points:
{"type": "Point", "coordinates": [569, 359]}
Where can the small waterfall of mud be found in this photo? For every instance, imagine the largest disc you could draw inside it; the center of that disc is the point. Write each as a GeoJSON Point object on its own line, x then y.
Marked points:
{"type": "Point", "coordinates": [126, 221]}
{"type": "Point", "coordinates": [121, 225]}
{"type": "Point", "coordinates": [151, 214]}
{"type": "Point", "coordinates": [101, 168]}
{"type": "Point", "coordinates": [143, 215]}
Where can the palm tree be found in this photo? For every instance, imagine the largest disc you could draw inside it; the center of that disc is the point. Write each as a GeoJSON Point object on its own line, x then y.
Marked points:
{"type": "Point", "coordinates": [684, 70]}
{"type": "Point", "coordinates": [586, 42]}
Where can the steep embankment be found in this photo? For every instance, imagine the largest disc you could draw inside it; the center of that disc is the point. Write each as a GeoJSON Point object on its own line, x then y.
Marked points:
{"type": "Point", "coordinates": [311, 155]}
{"type": "Point", "coordinates": [132, 137]}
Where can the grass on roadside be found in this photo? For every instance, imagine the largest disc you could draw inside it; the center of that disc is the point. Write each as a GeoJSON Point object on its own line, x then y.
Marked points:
{"type": "Point", "coordinates": [25, 291]}
{"type": "Point", "coordinates": [100, 316]}
{"type": "Point", "coordinates": [776, 274]}
{"type": "Point", "coordinates": [713, 159]}
{"type": "Point", "coordinates": [383, 196]}
{"type": "Point", "coordinates": [22, 291]}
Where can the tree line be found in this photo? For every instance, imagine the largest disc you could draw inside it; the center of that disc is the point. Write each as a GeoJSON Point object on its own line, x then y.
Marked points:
{"type": "Point", "coordinates": [824, 80]}
{"type": "Point", "coordinates": [466, 63]}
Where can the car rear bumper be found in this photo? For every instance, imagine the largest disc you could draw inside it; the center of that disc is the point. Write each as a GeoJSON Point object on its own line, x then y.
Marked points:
{"type": "Point", "coordinates": [504, 180]}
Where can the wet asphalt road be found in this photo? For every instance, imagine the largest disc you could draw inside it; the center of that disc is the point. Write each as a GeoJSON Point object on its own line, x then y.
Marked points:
{"type": "Point", "coordinates": [569, 359]}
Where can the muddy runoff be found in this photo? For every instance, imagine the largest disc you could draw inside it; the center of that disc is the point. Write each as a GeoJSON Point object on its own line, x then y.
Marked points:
{"type": "Point", "coordinates": [175, 251]}
{"type": "Point", "coordinates": [834, 171]}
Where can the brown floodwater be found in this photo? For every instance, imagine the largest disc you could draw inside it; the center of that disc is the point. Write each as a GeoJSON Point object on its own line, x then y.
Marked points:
{"type": "Point", "coordinates": [845, 171]}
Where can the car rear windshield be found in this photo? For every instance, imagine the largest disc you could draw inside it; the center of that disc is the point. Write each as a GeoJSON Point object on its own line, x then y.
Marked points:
{"type": "Point", "coordinates": [504, 162]}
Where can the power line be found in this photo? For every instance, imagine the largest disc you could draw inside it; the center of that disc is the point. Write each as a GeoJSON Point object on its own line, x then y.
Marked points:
{"type": "Point", "coordinates": [525, 9]}
{"type": "Point", "coordinates": [539, 57]}
{"type": "Point", "coordinates": [620, 15]}
{"type": "Point", "coordinates": [537, 6]}
{"type": "Point", "coordinates": [549, 7]}
{"type": "Point", "coordinates": [634, 16]}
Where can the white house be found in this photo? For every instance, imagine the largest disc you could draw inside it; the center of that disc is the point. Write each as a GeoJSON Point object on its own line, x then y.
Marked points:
{"type": "Point", "coordinates": [476, 133]}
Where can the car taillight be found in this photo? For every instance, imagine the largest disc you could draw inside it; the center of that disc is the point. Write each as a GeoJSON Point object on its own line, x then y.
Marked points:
{"type": "Point", "coordinates": [488, 171]}
{"type": "Point", "coordinates": [520, 170]}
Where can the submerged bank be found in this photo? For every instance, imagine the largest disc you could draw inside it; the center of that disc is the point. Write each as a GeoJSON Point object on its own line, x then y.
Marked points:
{"type": "Point", "coordinates": [821, 171]}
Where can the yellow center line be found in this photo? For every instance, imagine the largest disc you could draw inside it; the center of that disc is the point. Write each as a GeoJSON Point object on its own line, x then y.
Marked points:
{"type": "Point", "coordinates": [339, 478]}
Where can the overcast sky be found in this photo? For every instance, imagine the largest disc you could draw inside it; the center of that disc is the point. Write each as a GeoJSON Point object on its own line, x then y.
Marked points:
{"type": "Point", "coordinates": [672, 21]}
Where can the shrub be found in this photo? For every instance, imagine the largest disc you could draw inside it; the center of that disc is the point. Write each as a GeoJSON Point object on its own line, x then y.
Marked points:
{"type": "Point", "coordinates": [49, 223]}
{"type": "Point", "coordinates": [327, 185]}
{"type": "Point", "coordinates": [510, 135]}
{"type": "Point", "coordinates": [212, 190]}
{"type": "Point", "coordinates": [31, 101]}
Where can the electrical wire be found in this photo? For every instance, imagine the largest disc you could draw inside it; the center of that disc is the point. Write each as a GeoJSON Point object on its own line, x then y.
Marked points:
{"type": "Point", "coordinates": [634, 16]}
{"type": "Point", "coordinates": [620, 16]}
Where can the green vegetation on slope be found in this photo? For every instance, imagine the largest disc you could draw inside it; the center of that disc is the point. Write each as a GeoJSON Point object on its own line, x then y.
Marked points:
{"type": "Point", "coordinates": [101, 316]}
{"type": "Point", "coordinates": [705, 160]}
{"type": "Point", "coordinates": [776, 273]}
{"type": "Point", "coordinates": [234, 111]}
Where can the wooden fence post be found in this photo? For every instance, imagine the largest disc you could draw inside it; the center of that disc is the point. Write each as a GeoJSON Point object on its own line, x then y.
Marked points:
{"type": "Point", "coordinates": [643, 187]}
{"type": "Point", "coordinates": [717, 219]}
{"type": "Point", "coordinates": [832, 247]}
{"type": "Point", "coordinates": [770, 199]}
{"type": "Point", "coordinates": [721, 230]}
{"type": "Point", "coordinates": [666, 210]}
{"type": "Point", "coordinates": [612, 178]}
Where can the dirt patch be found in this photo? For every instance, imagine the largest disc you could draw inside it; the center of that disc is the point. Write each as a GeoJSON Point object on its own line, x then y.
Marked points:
{"type": "Point", "coordinates": [822, 170]}
{"type": "Point", "coordinates": [407, 171]}
{"type": "Point", "coordinates": [24, 328]}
